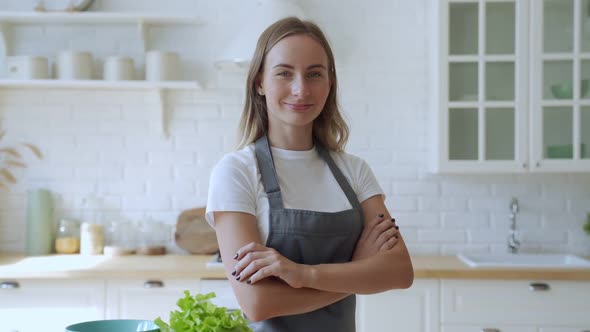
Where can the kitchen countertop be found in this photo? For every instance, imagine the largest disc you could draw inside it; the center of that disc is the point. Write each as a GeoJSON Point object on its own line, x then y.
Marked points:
{"type": "Point", "coordinates": [195, 266]}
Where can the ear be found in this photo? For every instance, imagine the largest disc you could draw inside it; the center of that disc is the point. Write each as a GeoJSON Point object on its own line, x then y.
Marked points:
{"type": "Point", "coordinates": [258, 85]}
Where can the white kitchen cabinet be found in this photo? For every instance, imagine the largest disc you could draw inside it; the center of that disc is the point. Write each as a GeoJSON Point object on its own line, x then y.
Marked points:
{"type": "Point", "coordinates": [485, 328]}
{"type": "Point", "coordinates": [146, 299]}
{"type": "Point", "coordinates": [498, 106]}
{"type": "Point", "coordinates": [224, 295]}
{"type": "Point", "coordinates": [527, 304]}
{"type": "Point", "coordinates": [410, 310]}
{"type": "Point", "coordinates": [49, 305]}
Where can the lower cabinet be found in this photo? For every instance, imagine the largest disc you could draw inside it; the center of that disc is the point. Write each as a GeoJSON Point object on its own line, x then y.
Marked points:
{"type": "Point", "coordinates": [146, 299]}
{"type": "Point", "coordinates": [408, 310]}
{"type": "Point", "coordinates": [483, 328]}
{"type": "Point", "coordinates": [49, 305]}
{"type": "Point", "coordinates": [514, 305]}
{"type": "Point", "coordinates": [454, 305]}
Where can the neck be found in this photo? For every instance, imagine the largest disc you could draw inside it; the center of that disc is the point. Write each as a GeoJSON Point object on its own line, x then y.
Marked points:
{"type": "Point", "coordinates": [291, 137]}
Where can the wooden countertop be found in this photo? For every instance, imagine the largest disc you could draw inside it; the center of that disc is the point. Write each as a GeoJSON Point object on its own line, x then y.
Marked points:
{"type": "Point", "coordinates": [195, 266]}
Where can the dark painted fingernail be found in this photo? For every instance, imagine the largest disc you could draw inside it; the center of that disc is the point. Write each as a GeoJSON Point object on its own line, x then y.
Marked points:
{"type": "Point", "coordinates": [248, 282]}
{"type": "Point", "coordinates": [381, 215]}
{"type": "Point", "coordinates": [396, 227]}
{"type": "Point", "coordinates": [238, 278]}
{"type": "Point", "coordinates": [393, 219]}
{"type": "Point", "coordinates": [233, 273]}
{"type": "Point", "coordinates": [395, 236]}
{"type": "Point", "coordinates": [236, 255]}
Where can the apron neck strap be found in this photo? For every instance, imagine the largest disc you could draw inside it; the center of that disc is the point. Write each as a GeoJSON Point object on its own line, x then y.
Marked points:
{"type": "Point", "coordinates": [270, 180]}
{"type": "Point", "coordinates": [266, 166]}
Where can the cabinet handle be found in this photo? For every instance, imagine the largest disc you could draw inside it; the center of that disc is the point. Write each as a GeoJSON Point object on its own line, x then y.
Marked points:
{"type": "Point", "coordinates": [538, 164]}
{"type": "Point", "coordinates": [490, 330]}
{"type": "Point", "coordinates": [524, 165]}
{"type": "Point", "coordinates": [9, 285]}
{"type": "Point", "coordinates": [539, 286]}
{"type": "Point", "coordinates": [153, 284]}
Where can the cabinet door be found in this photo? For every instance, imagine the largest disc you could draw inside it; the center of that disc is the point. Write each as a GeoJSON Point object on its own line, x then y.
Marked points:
{"type": "Point", "coordinates": [487, 328]}
{"type": "Point", "coordinates": [518, 302]}
{"type": "Point", "coordinates": [146, 299]}
{"type": "Point", "coordinates": [481, 109]}
{"type": "Point", "coordinates": [560, 112]}
{"type": "Point", "coordinates": [565, 329]}
{"type": "Point", "coordinates": [49, 305]}
{"type": "Point", "coordinates": [224, 295]}
{"type": "Point", "coordinates": [410, 310]}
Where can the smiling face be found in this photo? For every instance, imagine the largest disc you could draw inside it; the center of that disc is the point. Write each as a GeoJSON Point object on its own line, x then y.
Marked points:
{"type": "Point", "coordinates": [295, 81]}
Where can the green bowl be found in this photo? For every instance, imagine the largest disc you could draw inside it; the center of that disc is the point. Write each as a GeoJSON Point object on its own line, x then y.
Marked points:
{"type": "Point", "coordinates": [566, 90]}
{"type": "Point", "coordinates": [115, 325]}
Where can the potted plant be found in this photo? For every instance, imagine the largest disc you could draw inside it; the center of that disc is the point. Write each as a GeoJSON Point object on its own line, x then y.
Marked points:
{"type": "Point", "coordinates": [11, 158]}
{"type": "Point", "coordinates": [587, 224]}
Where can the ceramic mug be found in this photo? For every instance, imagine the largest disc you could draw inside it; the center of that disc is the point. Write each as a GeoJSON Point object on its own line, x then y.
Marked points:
{"type": "Point", "coordinates": [74, 65]}
{"type": "Point", "coordinates": [27, 67]}
{"type": "Point", "coordinates": [118, 68]}
{"type": "Point", "coordinates": [162, 66]}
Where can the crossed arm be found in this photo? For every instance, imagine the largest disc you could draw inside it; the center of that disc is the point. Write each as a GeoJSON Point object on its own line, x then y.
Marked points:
{"type": "Point", "coordinates": [280, 287]}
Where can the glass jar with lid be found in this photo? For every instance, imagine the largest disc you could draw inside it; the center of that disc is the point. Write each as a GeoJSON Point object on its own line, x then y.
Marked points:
{"type": "Point", "coordinates": [67, 238]}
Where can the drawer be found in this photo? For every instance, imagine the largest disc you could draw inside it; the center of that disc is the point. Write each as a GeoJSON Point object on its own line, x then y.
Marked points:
{"type": "Point", "coordinates": [565, 329]}
{"type": "Point", "coordinates": [487, 328]}
{"type": "Point", "coordinates": [224, 294]}
{"type": "Point", "coordinates": [515, 302]}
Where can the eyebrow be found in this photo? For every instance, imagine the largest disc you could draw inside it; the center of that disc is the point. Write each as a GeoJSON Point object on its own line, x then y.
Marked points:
{"type": "Point", "coordinates": [291, 67]}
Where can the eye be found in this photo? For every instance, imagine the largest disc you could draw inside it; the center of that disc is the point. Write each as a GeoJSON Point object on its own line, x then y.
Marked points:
{"type": "Point", "coordinates": [284, 74]}
{"type": "Point", "coordinates": [315, 74]}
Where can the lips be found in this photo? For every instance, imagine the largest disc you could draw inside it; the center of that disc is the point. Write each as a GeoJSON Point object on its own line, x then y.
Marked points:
{"type": "Point", "coordinates": [299, 107]}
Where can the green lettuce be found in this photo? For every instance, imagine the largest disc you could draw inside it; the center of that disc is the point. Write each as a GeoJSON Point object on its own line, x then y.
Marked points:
{"type": "Point", "coordinates": [198, 314]}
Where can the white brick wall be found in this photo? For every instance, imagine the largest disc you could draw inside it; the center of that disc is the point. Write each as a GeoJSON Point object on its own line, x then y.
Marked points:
{"type": "Point", "coordinates": [104, 142]}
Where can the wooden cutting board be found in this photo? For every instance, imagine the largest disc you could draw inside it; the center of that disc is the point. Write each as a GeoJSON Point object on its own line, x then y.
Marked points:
{"type": "Point", "coordinates": [194, 234]}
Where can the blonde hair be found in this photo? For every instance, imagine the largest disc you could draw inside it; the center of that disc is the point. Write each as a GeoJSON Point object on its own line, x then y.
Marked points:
{"type": "Point", "coordinates": [329, 128]}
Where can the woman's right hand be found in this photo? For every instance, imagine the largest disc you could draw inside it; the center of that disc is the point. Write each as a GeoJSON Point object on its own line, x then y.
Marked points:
{"type": "Point", "coordinates": [379, 234]}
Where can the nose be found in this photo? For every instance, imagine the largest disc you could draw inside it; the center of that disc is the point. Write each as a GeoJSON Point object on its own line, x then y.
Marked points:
{"type": "Point", "coordinates": [299, 87]}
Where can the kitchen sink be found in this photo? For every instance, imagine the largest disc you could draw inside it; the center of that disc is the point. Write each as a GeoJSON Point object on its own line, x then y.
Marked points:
{"type": "Point", "coordinates": [524, 260]}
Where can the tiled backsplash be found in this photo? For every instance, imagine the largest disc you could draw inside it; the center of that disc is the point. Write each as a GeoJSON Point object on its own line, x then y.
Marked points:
{"type": "Point", "coordinates": [105, 142]}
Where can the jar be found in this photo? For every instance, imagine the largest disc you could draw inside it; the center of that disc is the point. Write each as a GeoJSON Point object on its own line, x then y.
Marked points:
{"type": "Point", "coordinates": [152, 238]}
{"type": "Point", "coordinates": [119, 239]}
{"type": "Point", "coordinates": [67, 238]}
{"type": "Point", "coordinates": [91, 239]}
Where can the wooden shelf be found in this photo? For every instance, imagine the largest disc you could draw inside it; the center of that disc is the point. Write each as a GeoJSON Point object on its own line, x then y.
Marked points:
{"type": "Point", "coordinates": [100, 84]}
{"type": "Point", "coordinates": [95, 18]}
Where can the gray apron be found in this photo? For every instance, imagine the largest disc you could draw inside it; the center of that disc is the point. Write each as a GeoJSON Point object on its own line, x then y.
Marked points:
{"type": "Point", "coordinates": [310, 237]}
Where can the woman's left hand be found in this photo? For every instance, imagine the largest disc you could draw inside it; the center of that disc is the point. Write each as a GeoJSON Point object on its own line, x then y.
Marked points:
{"type": "Point", "coordinates": [256, 262]}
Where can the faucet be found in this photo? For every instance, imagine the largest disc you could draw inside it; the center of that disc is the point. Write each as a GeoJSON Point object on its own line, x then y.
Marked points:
{"type": "Point", "coordinates": [513, 243]}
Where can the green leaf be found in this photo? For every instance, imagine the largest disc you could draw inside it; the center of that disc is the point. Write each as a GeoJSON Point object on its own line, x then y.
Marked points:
{"type": "Point", "coordinates": [198, 314]}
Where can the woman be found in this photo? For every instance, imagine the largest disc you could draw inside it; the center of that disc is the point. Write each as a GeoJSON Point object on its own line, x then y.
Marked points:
{"type": "Point", "coordinates": [301, 225]}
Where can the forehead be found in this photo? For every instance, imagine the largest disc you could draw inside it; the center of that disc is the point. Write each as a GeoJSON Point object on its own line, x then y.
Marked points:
{"type": "Point", "coordinates": [297, 50]}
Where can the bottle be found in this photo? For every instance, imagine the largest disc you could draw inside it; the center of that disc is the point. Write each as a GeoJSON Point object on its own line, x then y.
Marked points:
{"type": "Point", "coordinates": [40, 227]}
{"type": "Point", "coordinates": [67, 238]}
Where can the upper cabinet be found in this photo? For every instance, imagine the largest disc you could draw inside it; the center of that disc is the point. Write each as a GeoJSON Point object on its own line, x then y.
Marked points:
{"type": "Point", "coordinates": [510, 86]}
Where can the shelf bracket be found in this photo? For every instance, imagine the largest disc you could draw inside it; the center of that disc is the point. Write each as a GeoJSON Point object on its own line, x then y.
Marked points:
{"type": "Point", "coordinates": [159, 112]}
{"type": "Point", "coordinates": [3, 45]}
{"type": "Point", "coordinates": [142, 34]}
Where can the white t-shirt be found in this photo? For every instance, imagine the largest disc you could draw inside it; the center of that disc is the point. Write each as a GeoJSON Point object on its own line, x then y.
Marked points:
{"type": "Point", "coordinates": [305, 180]}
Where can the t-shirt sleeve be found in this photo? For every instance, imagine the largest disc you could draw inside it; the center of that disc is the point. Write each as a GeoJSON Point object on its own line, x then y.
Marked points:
{"type": "Point", "coordinates": [367, 185]}
{"type": "Point", "coordinates": [230, 189]}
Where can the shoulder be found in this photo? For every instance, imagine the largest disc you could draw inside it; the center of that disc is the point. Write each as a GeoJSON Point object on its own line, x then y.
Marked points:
{"type": "Point", "coordinates": [349, 160]}
{"type": "Point", "coordinates": [239, 158]}
{"type": "Point", "coordinates": [236, 166]}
